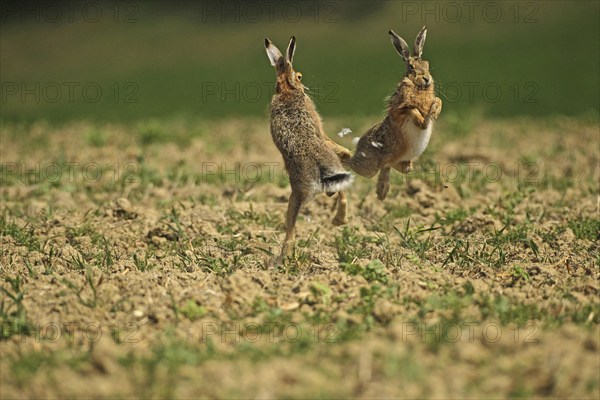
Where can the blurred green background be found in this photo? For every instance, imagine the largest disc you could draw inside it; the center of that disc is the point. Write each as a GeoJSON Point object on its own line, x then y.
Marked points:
{"type": "Point", "coordinates": [136, 60]}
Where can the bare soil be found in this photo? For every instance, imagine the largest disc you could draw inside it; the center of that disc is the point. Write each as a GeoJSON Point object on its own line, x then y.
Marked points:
{"type": "Point", "coordinates": [136, 262]}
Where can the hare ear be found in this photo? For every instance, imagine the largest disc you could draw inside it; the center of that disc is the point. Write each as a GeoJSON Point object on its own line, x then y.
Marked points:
{"type": "Point", "coordinates": [273, 52]}
{"type": "Point", "coordinates": [400, 45]}
{"type": "Point", "coordinates": [420, 42]}
{"type": "Point", "coordinates": [291, 49]}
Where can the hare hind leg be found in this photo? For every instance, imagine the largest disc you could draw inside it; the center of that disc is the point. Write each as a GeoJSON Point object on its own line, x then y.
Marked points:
{"type": "Point", "coordinates": [342, 210]}
{"type": "Point", "coordinates": [383, 183]}
{"type": "Point", "coordinates": [294, 203]}
{"type": "Point", "coordinates": [363, 166]}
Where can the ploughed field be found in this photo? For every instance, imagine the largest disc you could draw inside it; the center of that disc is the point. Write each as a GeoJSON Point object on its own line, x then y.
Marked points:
{"type": "Point", "coordinates": [135, 260]}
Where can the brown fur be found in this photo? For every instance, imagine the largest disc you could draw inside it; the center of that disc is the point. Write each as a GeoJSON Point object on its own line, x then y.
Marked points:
{"type": "Point", "coordinates": [388, 144]}
{"type": "Point", "coordinates": [312, 160]}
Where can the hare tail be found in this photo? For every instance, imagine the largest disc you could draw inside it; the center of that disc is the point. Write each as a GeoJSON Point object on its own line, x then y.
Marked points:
{"type": "Point", "coordinates": [336, 182]}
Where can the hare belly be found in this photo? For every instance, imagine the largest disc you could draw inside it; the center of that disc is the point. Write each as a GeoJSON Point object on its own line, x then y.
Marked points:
{"type": "Point", "coordinates": [416, 140]}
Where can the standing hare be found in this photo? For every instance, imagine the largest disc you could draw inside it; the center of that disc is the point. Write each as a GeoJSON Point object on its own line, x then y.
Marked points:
{"type": "Point", "coordinates": [311, 159]}
{"type": "Point", "coordinates": [404, 133]}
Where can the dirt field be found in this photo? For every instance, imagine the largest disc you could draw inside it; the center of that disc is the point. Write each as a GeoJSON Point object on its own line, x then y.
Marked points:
{"type": "Point", "coordinates": [135, 262]}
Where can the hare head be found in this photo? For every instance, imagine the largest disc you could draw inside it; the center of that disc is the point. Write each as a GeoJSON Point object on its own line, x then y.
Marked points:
{"type": "Point", "coordinates": [287, 78]}
{"type": "Point", "coordinates": [417, 69]}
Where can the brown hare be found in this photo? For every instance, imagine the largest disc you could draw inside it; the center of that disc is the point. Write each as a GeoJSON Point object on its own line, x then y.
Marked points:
{"type": "Point", "coordinates": [405, 132]}
{"type": "Point", "coordinates": [311, 159]}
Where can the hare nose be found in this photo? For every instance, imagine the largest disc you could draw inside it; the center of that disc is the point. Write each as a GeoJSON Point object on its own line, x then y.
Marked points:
{"type": "Point", "coordinates": [426, 79]}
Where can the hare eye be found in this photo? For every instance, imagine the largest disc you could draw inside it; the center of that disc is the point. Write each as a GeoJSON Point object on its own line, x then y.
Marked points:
{"type": "Point", "coordinates": [411, 67]}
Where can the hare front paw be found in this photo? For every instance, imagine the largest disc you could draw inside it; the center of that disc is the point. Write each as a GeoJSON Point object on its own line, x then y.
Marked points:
{"type": "Point", "coordinates": [344, 154]}
{"type": "Point", "coordinates": [436, 108]}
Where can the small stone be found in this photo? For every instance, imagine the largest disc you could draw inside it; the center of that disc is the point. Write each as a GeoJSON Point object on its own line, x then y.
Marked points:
{"type": "Point", "coordinates": [290, 306]}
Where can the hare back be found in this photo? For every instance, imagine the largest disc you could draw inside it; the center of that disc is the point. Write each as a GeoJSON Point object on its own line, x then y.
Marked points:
{"type": "Point", "coordinates": [375, 142]}
{"type": "Point", "coordinates": [299, 138]}
{"type": "Point", "coordinates": [295, 123]}
{"type": "Point", "coordinates": [310, 162]}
